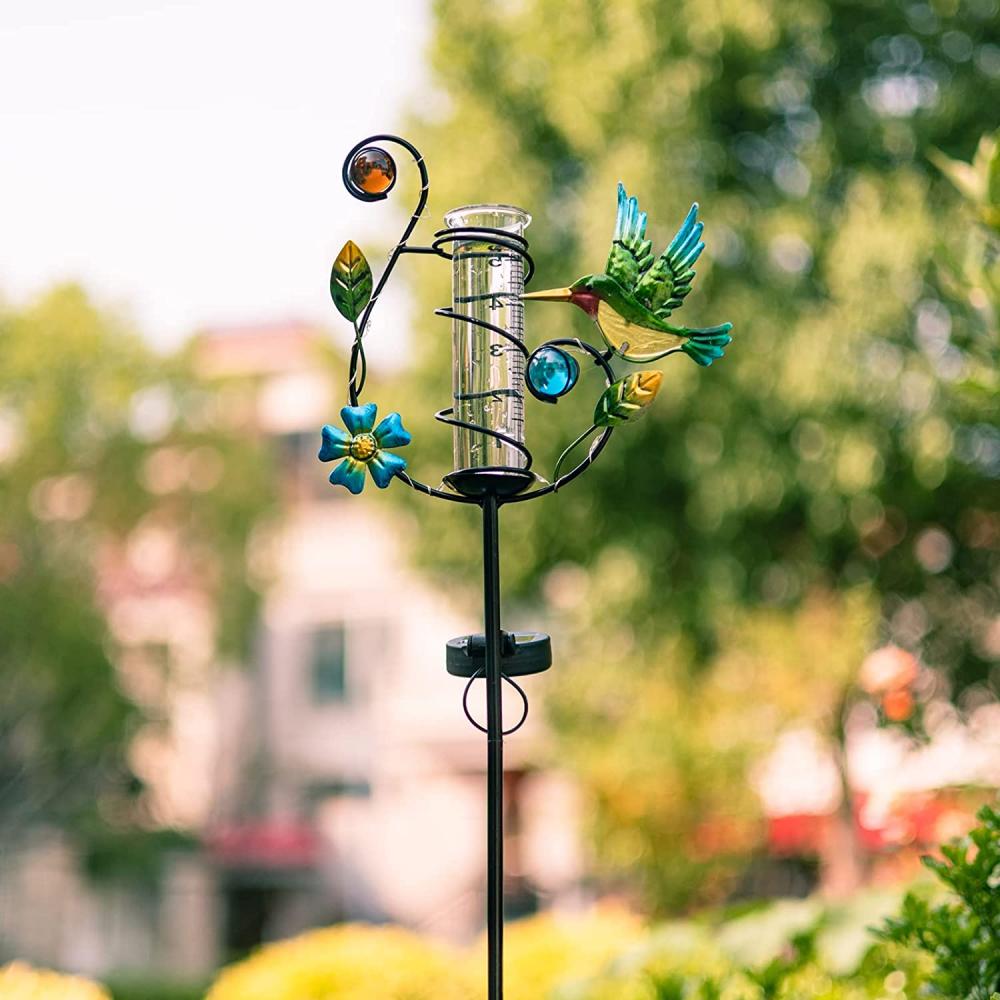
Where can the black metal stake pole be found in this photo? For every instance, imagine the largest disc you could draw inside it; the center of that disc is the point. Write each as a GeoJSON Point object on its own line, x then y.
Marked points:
{"type": "Point", "coordinates": [494, 742]}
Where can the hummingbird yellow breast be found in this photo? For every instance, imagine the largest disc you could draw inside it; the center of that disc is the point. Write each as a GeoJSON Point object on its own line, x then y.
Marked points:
{"type": "Point", "coordinates": [632, 341]}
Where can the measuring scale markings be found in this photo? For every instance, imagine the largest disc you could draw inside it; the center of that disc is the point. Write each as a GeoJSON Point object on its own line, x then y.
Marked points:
{"type": "Point", "coordinates": [499, 407]}
{"type": "Point", "coordinates": [516, 308]}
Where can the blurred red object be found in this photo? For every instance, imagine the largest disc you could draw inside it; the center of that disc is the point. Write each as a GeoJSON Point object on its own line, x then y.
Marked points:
{"type": "Point", "coordinates": [897, 704]}
{"type": "Point", "coordinates": [264, 845]}
{"type": "Point", "coordinates": [799, 833]}
{"type": "Point", "coordinates": [920, 821]}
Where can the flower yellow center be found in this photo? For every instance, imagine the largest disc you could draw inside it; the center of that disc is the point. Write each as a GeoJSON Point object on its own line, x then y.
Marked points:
{"type": "Point", "coordinates": [363, 447]}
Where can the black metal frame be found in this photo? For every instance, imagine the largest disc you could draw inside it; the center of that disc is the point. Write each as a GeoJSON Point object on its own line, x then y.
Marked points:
{"type": "Point", "coordinates": [490, 488]}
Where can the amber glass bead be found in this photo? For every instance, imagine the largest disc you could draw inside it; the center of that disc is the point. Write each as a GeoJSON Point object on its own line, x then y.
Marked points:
{"type": "Point", "coordinates": [373, 170]}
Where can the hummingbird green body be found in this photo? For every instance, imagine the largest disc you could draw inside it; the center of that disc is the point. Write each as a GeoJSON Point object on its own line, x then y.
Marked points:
{"type": "Point", "coordinates": [632, 301]}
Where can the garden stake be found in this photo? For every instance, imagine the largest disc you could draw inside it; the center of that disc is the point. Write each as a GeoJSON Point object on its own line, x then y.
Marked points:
{"type": "Point", "coordinates": [630, 303]}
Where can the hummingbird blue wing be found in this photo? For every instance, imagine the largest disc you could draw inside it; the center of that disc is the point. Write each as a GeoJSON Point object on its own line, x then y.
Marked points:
{"type": "Point", "coordinates": [667, 283]}
{"type": "Point", "coordinates": [631, 253]}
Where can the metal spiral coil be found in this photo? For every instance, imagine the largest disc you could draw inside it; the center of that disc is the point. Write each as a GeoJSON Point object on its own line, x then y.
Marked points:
{"type": "Point", "coordinates": [496, 239]}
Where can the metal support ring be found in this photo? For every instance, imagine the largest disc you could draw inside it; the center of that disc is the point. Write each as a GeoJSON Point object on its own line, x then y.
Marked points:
{"type": "Point", "coordinates": [517, 687]}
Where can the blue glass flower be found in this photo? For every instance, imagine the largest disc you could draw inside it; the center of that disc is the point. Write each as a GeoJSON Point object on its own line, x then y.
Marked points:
{"type": "Point", "coordinates": [362, 446]}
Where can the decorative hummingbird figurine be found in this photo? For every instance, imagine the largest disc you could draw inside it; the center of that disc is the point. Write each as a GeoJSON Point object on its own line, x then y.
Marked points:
{"type": "Point", "coordinates": [632, 301]}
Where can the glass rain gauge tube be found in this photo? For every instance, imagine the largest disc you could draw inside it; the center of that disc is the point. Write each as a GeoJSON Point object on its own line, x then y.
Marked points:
{"type": "Point", "coordinates": [487, 369]}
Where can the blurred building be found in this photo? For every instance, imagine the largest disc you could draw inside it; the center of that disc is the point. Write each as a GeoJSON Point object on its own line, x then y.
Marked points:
{"type": "Point", "coordinates": [358, 788]}
{"type": "Point", "coordinates": [333, 776]}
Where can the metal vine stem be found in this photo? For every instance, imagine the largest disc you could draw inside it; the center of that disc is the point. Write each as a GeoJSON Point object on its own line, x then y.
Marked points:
{"type": "Point", "coordinates": [490, 504]}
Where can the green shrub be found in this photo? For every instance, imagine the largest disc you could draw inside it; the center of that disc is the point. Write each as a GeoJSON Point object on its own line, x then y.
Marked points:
{"type": "Point", "coordinates": [145, 988]}
{"type": "Point", "coordinates": [789, 950]}
{"type": "Point", "coordinates": [962, 933]}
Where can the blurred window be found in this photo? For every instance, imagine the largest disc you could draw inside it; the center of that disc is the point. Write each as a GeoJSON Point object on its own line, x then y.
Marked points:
{"type": "Point", "coordinates": [297, 447]}
{"type": "Point", "coordinates": [318, 792]}
{"type": "Point", "coordinates": [329, 667]}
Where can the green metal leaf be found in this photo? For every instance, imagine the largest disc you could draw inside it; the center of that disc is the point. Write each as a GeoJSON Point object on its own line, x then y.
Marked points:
{"type": "Point", "coordinates": [351, 281]}
{"type": "Point", "coordinates": [627, 398]}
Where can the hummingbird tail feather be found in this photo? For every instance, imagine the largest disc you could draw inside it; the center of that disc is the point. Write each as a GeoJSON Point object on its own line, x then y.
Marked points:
{"type": "Point", "coordinates": [705, 346]}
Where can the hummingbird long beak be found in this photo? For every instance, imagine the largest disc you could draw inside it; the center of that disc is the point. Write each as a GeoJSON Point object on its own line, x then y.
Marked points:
{"type": "Point", "coordinates": [550, 295]}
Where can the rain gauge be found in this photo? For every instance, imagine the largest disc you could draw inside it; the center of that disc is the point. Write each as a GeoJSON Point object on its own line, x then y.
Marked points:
{"type": "Point", "coordinates": [487, 361]}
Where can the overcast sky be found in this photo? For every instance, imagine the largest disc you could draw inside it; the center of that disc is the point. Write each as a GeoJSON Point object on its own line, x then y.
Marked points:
{"type": "Point", "coordinates": [183, 159]}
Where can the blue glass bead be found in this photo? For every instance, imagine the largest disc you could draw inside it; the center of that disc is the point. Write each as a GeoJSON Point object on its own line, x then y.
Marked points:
{"type": "Point", "coordinates": [552, 372]}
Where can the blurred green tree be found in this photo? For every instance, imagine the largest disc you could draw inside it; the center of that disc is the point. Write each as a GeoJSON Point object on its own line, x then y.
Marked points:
{"type": "Point", "coordinates": [91, 420]}
{"type": "Point", "coordinates": [848, 440]}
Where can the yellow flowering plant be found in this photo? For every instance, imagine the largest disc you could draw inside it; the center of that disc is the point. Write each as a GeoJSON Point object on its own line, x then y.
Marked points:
{"type": "Point", "coordinates": [359, 962]}
{"type": "Point", "coordinates": [347, 962]}
{"type": "Point", "coordinates": [21, 982]}
{"type": "Point", "coordinates": [554, 950]}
